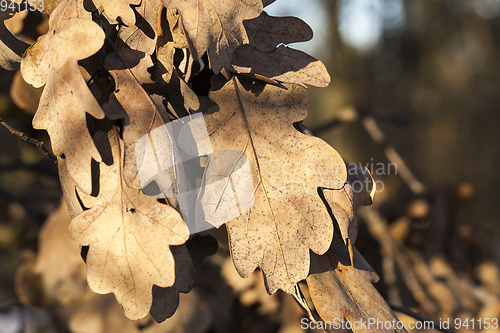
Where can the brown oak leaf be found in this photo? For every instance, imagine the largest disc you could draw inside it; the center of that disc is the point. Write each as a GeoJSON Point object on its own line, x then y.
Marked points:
{"type": "Point", "coordinates": [11, 48]}
{"type": "Point", "coordinates": [181, 99]}
{"type": "Point", "coordinates": [282, 217]}
{"type": "Point", "coordinates": [113, 9]}
{"type": "Point", "coordinates": [266, 32]}
{"type": "Point", "coordinates": [216, 26]}
{"type": "Point", "coordinates": [341, 289]}
{"type": "Point", "coordinates": [358, 190]}
{"type": "Point", "coordinates": [141, 113]}
{"type": "Point", "coordinates": [53, 61]}
{"type": "Point", "coordinates": [128, 234]}
{"type": "Point", "coordinates": [283, 64]}
{"type": "Point", "coordinates": [142, 35]}
{"type": "Point", "coordinates": [176, 31]}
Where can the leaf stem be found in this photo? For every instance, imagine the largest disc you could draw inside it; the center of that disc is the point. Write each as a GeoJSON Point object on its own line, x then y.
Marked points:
{"type": "Point", "coordinates": [29, 139]}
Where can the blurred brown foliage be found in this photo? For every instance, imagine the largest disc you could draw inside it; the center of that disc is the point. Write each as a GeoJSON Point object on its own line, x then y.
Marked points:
{"type": "Point", "coordinates": [432, 87]}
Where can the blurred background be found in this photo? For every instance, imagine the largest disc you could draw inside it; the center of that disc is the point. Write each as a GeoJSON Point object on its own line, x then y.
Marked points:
{"type": "Point", "coordinates": [429, 69]}
{"type": "Point", "coordinates": [416, 83]}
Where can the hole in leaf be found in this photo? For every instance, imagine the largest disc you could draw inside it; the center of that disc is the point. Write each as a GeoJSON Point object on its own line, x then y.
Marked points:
{"type": "Point", "coordinates": [80, 201]}
{"type": "Point", "coordinates": [96, 184]}
{"type": "Point", "coordinates": [83, 253]}
{"type": "Point", "coordinates": [119, 123]}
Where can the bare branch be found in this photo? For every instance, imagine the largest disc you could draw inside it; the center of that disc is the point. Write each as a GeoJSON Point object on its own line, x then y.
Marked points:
{"type": "Point", "coordinates": [371, 126]}
{"type": "Point", "coordinates": [29, 139]}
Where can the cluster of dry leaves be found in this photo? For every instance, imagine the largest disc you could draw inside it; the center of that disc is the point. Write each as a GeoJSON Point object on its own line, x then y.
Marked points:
{"type": "Point", "coordinates": [112, 73]}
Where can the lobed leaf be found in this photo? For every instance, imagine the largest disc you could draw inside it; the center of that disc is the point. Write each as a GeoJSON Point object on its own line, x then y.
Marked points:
{"type": "Point", "coordinates": [53, 61]}
{"type": "Point", "coordinates": [341, 289]}
{"type": "Point", "coordinates": [114, 9]}
{"type": "Point", "coordinates": [128, 235]}
{"type": "Point", "coordinates": [282, 217]}
{"type": "Point", "coordinates": [266, 32]}
{"type": "Point", "coordinates": [132, 103]}
{"type": "Point", "coordinates": [180, 98]}
{"type": "Point", "coordinates": [11, 48]}
{"type": "Point", "coordinates": [143, 34]}
{"type": "Point", "coordinates": [283, 64]}
{"type": "Point", "coordinates": [359, 190]}
{"type": "Point", "coordinates": [215, 26]}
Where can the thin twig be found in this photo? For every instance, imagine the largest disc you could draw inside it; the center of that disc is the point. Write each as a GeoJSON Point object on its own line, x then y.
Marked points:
{"type": "Point", "coordinates": [29, 139]}
{"type": "Point", "coordinates": [353, 114]}
{"type": "Point", "coordinates": [368, 119]}
{"type": "Point", "coordinates": [329, 125]}
{"type": "Point", "coordinates": [371, 126]}
{"type": "Point", "coordinates": [419, 317]}
{"type": "Point", "coordinates": [378, 228]}
{"type": "Point", "coordinates": [346, 115]}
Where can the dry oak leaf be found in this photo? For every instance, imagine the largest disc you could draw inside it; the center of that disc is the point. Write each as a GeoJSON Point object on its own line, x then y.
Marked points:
{"type": "Point", "coordinates": [216, 26]}
{"type": "Point", "coordinates": [68, 187]}
{"type": "Point", "coordinates": [143, 35]}
{"type": "Point", "coordinates": [148, 145]}
{"type": "Point", "coordinates": [358, 190]}
{"type": "Point", "coordinates": [175, 26]}
{"type": "Point", "coordinates": [181, 99]}
{"type": "Point", "coordinates": [340, 289]}
{"type": "Point", "coordinates": [287, 217]}
{"type": "Point", "coordinates": [267, 32]}
{"type": "Point", "coordinates": [11, 48]}
{"type": "Point", "coordinates": [128, 234]}
{"type": "Point", "coordinates": [118, 8]}
{"type": "Point", "coordinates": [283, 64]}
{"type": "Point", "coordinates": [53, 61]}
{"type": "Point", "coordinates": [141, 113]}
